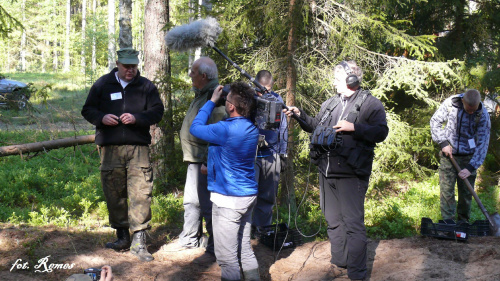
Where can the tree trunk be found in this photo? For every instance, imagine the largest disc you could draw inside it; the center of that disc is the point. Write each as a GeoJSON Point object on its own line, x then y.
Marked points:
{"type": "Point", "coordinates": [19, 149]}
{"type": "Point", "coordinates": [23, 39]}
{"type": "Point", "coordinates": [125, 24]}
{"type": "Point", "coordinates": [84, 30]}
{"type": "Point", "coordinates": [138, 11]}
{"type": "Point", "coordinates": [94, 55]}
{"type": "Point", "coordinates": [66, 45]}
{"type": "Point", "coordinates": [157, 69]}
{"type": "Point", "coordinates": [44, 55]}
{"type": "Point", "coordinates": [111, 35]}
{"type": "Point", "coordinates": [55, 61]}
{"type": "Point", "coordinates": [291, 74]}
{"type": "Point", "coordinates": [8, 56]}
{"type": "Point", "coordinates": [155, 50]}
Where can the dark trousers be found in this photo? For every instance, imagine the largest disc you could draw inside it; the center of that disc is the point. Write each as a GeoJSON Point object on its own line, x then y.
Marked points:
{"type": "Point", "coordinates": [342, 203]}
{"type": "Point", "coordinates": [267, 174]}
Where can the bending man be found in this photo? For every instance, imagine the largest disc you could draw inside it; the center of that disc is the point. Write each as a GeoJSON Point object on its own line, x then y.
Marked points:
{"type": "Point", "coordinates": [465, 138]}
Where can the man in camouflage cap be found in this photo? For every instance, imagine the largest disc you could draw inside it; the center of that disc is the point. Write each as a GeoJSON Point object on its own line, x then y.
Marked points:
{"type": "Point", "coordinates": [123, 105]}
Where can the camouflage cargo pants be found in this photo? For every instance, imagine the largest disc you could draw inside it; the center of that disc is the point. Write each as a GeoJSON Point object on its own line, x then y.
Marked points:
{"type": "Point", "coordinates": [448, 176]}
{"type": "Point", "coordinates": [126, 173]}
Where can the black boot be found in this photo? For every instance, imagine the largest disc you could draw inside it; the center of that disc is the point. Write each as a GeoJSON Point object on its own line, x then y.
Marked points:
{"type": "Point", "coordinates": [138, 247]}
{"type": "Point", "coordinates": [123, 241]}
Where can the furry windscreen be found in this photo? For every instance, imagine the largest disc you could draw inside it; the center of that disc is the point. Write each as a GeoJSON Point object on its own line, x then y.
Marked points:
{"type": "Point", "coordinates": [200, 33]}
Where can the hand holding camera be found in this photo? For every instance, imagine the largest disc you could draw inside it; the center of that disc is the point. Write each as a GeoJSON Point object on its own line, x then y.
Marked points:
{"type": "Point", "coordinates": [102, 274]}
{"type": "Point", "coordinates": [106, 273]}
{"type": "Point", "coordinates": [220, 94]}
{"type": "Point", "coordinates": [217, 94]}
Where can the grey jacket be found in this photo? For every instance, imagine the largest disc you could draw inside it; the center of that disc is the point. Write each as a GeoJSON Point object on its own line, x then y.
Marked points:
{"type": "Point", "coordinates": [193, 148]}
{"type": "Point", "coordinates": [466, 133]}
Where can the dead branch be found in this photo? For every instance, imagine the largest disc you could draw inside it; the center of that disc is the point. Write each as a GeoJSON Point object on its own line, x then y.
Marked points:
{"type": "Point", "coordinates": [19, 149]}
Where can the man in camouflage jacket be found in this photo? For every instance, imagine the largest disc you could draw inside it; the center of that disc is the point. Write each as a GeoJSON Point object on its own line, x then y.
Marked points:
{"type": "Point", "coordinates": [465, 137]}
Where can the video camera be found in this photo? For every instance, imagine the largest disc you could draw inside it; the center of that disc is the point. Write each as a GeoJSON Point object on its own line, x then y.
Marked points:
{"type": "Point", "coordinates": [94, 273]}
{"type": "Point", "coordinates": [268, 109]}
{"type": "Point", "coordinates": [267, 115]}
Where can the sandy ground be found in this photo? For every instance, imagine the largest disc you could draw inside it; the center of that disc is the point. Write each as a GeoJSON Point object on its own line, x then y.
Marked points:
{"type": "Point", "coordinates": [59, 252]}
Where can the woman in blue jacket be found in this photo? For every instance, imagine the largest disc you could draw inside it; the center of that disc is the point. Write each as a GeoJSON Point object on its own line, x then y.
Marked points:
{"type": "Point", "coordinates": [231, 179]}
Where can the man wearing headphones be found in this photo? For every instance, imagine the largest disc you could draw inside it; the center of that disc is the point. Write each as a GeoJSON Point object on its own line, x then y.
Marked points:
{"type": "Point", "coordinates": [359, 122]}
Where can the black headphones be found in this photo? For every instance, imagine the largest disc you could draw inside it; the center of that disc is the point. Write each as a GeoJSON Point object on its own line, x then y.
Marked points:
{"type": "Point", "coordinates": [352, 80]}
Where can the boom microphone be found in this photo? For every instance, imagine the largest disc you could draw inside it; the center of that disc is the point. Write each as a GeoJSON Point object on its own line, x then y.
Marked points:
{"type": "Point", "coordinates": [202, 33]}
{"type": "Point", "coordinates": [199, 33]}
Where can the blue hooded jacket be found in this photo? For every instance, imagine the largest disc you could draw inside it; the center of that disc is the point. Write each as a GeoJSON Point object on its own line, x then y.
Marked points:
{"type": "Point", "coordinates": [231, 153]}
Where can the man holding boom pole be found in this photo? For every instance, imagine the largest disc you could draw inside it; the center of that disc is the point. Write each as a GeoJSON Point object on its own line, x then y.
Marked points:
{"type": "Point", "coordinates": [197, 204]}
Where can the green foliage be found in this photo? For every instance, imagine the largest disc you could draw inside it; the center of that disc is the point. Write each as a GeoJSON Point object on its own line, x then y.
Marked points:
{"type": "Point", "coordinates": [390, 222]}
{"type": "Point", "coordinates": [62, 187]}
{"type": "Point", "coordinates": [491, 81]}
{"type": "Point", "coordinates": [167, 209]}
{"type": "Point", "coordinates": [44, 26]}
{"type": "Point", "coordinates": [422, 81]}
{"type": "Point", "coordinates": [94, 45]}
{"type": "Point", "coordinates": [406, 149]}
{"type": "Point", "coordinates": [50, 215]}
{"type": "Point", "coordinates": [398, 213]}
{"type": "Point", "coordinates": [102, 210]}
{"type": "Point", "coordinates": [7, 23]}
{"type": "Point", "coordinates": [42, 183]}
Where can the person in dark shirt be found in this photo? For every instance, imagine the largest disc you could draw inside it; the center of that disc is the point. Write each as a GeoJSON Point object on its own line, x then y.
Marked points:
{"type": "Point", "coordinates": [123, 105]}
{"type": "Point", "coordinates": [344, 167]}
{"type": "Point", "coordinates": [268, 164]}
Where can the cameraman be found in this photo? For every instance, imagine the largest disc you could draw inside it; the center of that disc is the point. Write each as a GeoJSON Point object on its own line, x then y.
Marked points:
{"type": "Point", "coordinates": [360, 122]}
{"type": "Point", "coordinates": [231, 179]}
{"type": "Point", "coordinates": [268, 163]}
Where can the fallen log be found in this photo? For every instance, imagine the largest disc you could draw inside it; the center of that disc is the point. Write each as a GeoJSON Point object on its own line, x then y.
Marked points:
{"type": "Point", "coordinates": [45, 145]}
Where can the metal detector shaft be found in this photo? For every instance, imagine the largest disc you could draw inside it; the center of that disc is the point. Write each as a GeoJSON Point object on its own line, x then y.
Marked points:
{"type": "Point", "coordinates": [302, 123]}
{"type": "Point", "coordinates": [493, 221]}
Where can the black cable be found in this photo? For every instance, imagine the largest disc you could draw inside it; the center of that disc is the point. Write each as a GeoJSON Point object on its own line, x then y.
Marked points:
{"type": "Point", "coordinates": [298, 207]}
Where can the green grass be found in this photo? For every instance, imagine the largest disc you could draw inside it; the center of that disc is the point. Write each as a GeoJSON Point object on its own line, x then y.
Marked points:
{"type": "Point", "coordinates": [399, 215]}
{"type": "Point", "coordinates": [66, 96]}
{"type": "Point", "coordinates": [62, 187]}
{"type": "Point", "coordinates": [393, 210]}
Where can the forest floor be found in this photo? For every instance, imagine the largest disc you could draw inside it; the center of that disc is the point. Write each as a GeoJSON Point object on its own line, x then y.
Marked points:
{"type": "Point", "coordinates": [23, 250]}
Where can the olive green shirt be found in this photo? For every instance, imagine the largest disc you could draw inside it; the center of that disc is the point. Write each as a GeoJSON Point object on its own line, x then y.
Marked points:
{"type": "Point", "coordinates": [193, 148]}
